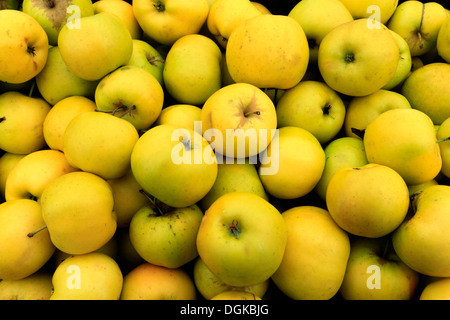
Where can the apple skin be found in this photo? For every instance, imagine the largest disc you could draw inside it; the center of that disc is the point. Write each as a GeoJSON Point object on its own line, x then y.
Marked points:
{"type": "Point", "coordinates": [146, 56]}
{"type": "Point", "coordinates": [242, 239]}
{"type": "Point", "coordinates": [397, 281]}
{"type": "Point", "coordinates": [7, 162]}
{"type": "Point", "coordinates": [180, 115]}
{"type": "Point", "coordinates": [24, 46]}
{"type": "Point", "coordinates": [360, 8]}
{"type": "Point", "coordinates": [37, 286]}
{"type": "Point", "coordinates": [443, 40]}
{"type": "Point", "coordinates": [438, 289]}
{"type": "Point", "coordinates": [444, 146]}
{"type": "Point", "coordinates": [404, 64]}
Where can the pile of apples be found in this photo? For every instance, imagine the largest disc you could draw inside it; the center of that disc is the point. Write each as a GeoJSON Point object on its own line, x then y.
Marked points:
{"type": "Point", "coordinates": [224, 149]}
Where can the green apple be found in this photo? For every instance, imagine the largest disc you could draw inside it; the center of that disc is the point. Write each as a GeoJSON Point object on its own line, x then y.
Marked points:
{"type": "Point", "coordinates": [234, 176]}
{"type": "Point", "coordinates": [380, 10]}
{"type": "Point", "coordinates": [21, 127]}
{"type": "Point", "coordinates": [180, 115]}
{"type": "Point", "coordinates": [30, 176]}
{"type": "Point", "coordinates": [375, 272]}
{"type": "Point", "coordinates": [314, 106]}
{"type": "Point", "coordinates": [317, 18]}
{"type": "Point", "coordinates": [314, 243]}
{"type": "Point", "coordinates": [100, 143]}
{"type": "Point", "coordinates": [362, 110]}
{"type": "Point", "coordinates": [404, 63]}
{"type": "Point", "coordinates": [77, 209]}
{"type": "Point", "coordinates": [428, 90]}
{"type": "Point", "coordinates": [24, 46]}
{"type": "Point", "coordinates": [165, 21]}
{"type": "Point", "coordinates": [294, 152]}
{"type": "Point", "coordinates": [443, 133]}
{"type": "Point", "coordinates": [22, 254]}
{"type": "Point", "coordinates": [421, 240]}
{"type": "Point", "coordinates": [56, 82]}
{"type": "Point", "coordinates": [166, 237]}
{"type": "Point", "coordinates": [369, 201]}
{"type": "Point", "coordinates": [418, 23]}
{"type": "Point", "coordinates": [192, 69]}
{"type": "Point", "coordinates": [132, 94]}
{"type": "Point", "coordinates": [100, 45]}
{"type": "Point", "coordinates": [52, 15]}
{"type": "Point", "coordinates": [37, 286]}
{"type": "Point", "coordinates": [436, 290]}
{"type": "Point", "coordinates": [90, 276]}
{"type": "Point", "coordinates": [405, 140]}
{"type": "Point", "coordinates": [146, 56]}
{"type": "Point", "coordinates": [356, 60]}
{"type": "Point", "coordinates": [175, 165]}
{"type": "Point", "coordinates": [242, 239]}
{"type": "Point", "coordinates": [339, 153]}
{"type": "Point", "coordinates": [443, 40]}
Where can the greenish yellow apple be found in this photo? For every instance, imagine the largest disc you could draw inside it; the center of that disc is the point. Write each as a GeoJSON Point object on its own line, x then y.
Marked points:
{"type": "Point", "coordinates": [369, 201]}
{"type": "Point", "coordinates": [375, 272]}
{"type": "Point", "coordinates": [421, 241]}
{"type": "Point", "coordinates": [21, 127]}
{"type": "Point", "coordinates": [225, 15]}
{"type": "Point", "coordinates": [415, 189]}
{"type": "Point", "coordinates": [443, 134]}
{"type": "Point", "coordinates": [7, 162]}
{"type": "Point", "coordinates": [292, 164]}
{"type": "Point", "coordinates": [100, 143]}
{"type": "Point", "coordinates": [132, 94]}
{"type": "Point", "coordinates": [192, 69]}
{"type": "Point", "coordinates": [404, 139]}
{"type": "Point", "coordinates": [37, 286]}
{"type": "Point", "coordinates": [60, 115]}
{"type": "Point", "coordinates": [314, 106]}
{"type": "Point", "coordinates": [209, 285]}
{"type": "Point", "coordinates": [438, 289]}
{"type": "Point", "coordinates": [180, 115]}
{"type": "Point", "coordinates": [151, 282]}
{"type": "Point", "coordinates": [234, 176]}
{"type": "Point", "coordinates": [166, 237]}
{"type": "Point", "coordinates": [418, 22]}
{"type": "Point", "coordinates": [317, 18]}
{"type": "Point", "coordinates": [56, 82]}
{"type": "Point", "coordinates": [380, 10]}
{"type": "Point", "coordinates": [124, 11]}
{"type": "Point", "coordinates": [428, 89]}
{"type": "Point", "coordinates": [443, 40]}
{"type": "Point", "coordinates": [316, 255]}
{"type": "Point", "coordinates": [357, 60]}
{"type": "Point", "coordinates": [24, 46]}
{"type": "Point", "coordinates": [235, 295]}
{"type": "Point", "coordinates": [30, 176]}
{"type": "Point", "coordinates": [90, 276]}
{"type": "Point", "coordinates": [339, 153]}
{"type": "Point", "coordinates": [165, 21]}
{"type": "Point", "coordinates": [361, 111]}
{"type": "Point", "coordinates": [239, 120]}
{"type": "Point", "coordinates": [242, 238]}
{"type": "Point", "coordinates": [77, 209]}
{"type": "Point", "coordinates": [22, 254]}
{"type": "Point", "coordinates": [146, 56]}
{"type": "Point", "coordinates": [261, 7]}
{"type": "Point", "coordinates": [256, 52]}
{"type": "Point", "coordinates": [404, 64]}
{"type": "Point", "coordinates": [175, 165]}
{"type": "Point", "coordinates": [100, 45]}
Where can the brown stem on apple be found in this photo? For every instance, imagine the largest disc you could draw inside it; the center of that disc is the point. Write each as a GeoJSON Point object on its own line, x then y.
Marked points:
{"type": "Point", "coordinates": [157, 204]}
{"type": "Point", "coordinates": [233, 229]}
{"type": "Point", "coordinates": [153, 60]}
{"type": "Point", "coordinates": [120, 107]}
{"type": "Point", "coordinates": [252, 112]}
{"type": "Point", "coordinates": [358, 132]}
{"type": "Point", "coordinates": [31, 234]}
{"type": "Point", "coordinates": [30, 94]}
{"type": "Point", "coordinates": [419, 34]}
{"type": "Point", "coordinates": [443, 139]}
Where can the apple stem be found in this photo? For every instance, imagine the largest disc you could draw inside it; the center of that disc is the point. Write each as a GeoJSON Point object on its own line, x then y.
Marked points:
{"type": "Point", "coordinates": [127, 110]}
{"type": "Point", "coordinates": [252, 112]}
{"type": "Point", "coordinates": [152, 201]}
{"type": "Point", "coordinates": [419, 34]}
{"type": "Point", "coordinates": [443, 139]}
{"type": "Point", "coordinates": [31, 234]}
{"type": "Point", "coordinates": [234, 230]}
{"type": "Point", "coordinates": [30, 94]}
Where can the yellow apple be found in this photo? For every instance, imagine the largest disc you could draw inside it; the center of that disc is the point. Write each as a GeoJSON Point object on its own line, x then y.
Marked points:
{"type": "Point", "coordinates": [436, 290]}
{"type": "Point", "coordinates": [261, 7]}
{"type": "Point", "coordinates": [144, 55]}
{"type": "Point", "coordinates": [165, 21]}
{"type": "Point", "coordinates": [100, 143]}
{"type": "Point", "coordinates": [151, 282]}
{"type": "Point", "coordinates": [100, 45]}
{"type": "Point", "coordinates": [369, 201]}
{"type": "Point", "coordinates": [180, 115]}
{"type": "Point", "coordinates": [357, 60]}
{"type": "Point", "coordinates": [23, 46]}
{"type": "Point", "coordinates": [90, 276]}
{"type": "Point", "coordinates": [415, 189]}
{"type": "Point", "coordinates": [444, 146]}
{"type": "Point", "coordinates": [380, 10]}
{"type": "Point", "coordinates": [404, 63]}
{"type": "Point", "coordinates": [235, 295]}
{"type": "Point", "coordinates": [294, 162]}
{"type": "Point", "coordinates": [28, 179]}
{"type": "Point", "coordinates": [256, 52]}
{"type": "Point", "coordinates": [37, 286]}
{"type": "Point", "coordinates": [21, 127]}
{"type": "Point", "coordinates": [22, 254]}
{"type": "Point", "coordinates": [77, 209]}
{"type": "Point", "coordinates": [60, 115]}
{"type": "Point", "coordinates": [443, 40]}
{"type": "Point", "coordinates": [7, 162]}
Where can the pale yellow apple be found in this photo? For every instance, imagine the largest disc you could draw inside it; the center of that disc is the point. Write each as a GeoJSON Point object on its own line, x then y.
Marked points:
{"type": "Point", "coordinates": [7, 162]}
{"type": "Point", "coordinates": [428, 90]}
{"type": "Point", "coordinates": [261, 7]}
{"type": "Point", "coordinates": [415, 189]}
{"type": "Point", "coordinates": [23, 46]}
{"type": "Point", "coordinates": [37, 286]}
{"type": "Point", "coordinates": [256, 52]}
{"type": "Point", "coordinates": [381, 10]}
{"type": "Point", "coordinates": [438, 289]}
{"type": "Point", "coordinates": [91, 276]}
{"type": "Point", "coordinates": [404, 64]}
{"type": "Point", "coordinates": [151, 282]}
{"type": "Point", "coordinates": [59, 116]}
{"type": "Point", "coordinates": [295, 153]}
{"type": "Point", "coordinates": [28, 179]}
{"type": "Point", "coordinates": [21, 127]}
{"type": "Point", "coordinates": [443, 133]}
{"type": "Point", "coordinates": [443, 40]}
{"type": "Point", "coordinates": [236, 295]}
{"type": "Point", "coordinates": [180, 115]}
